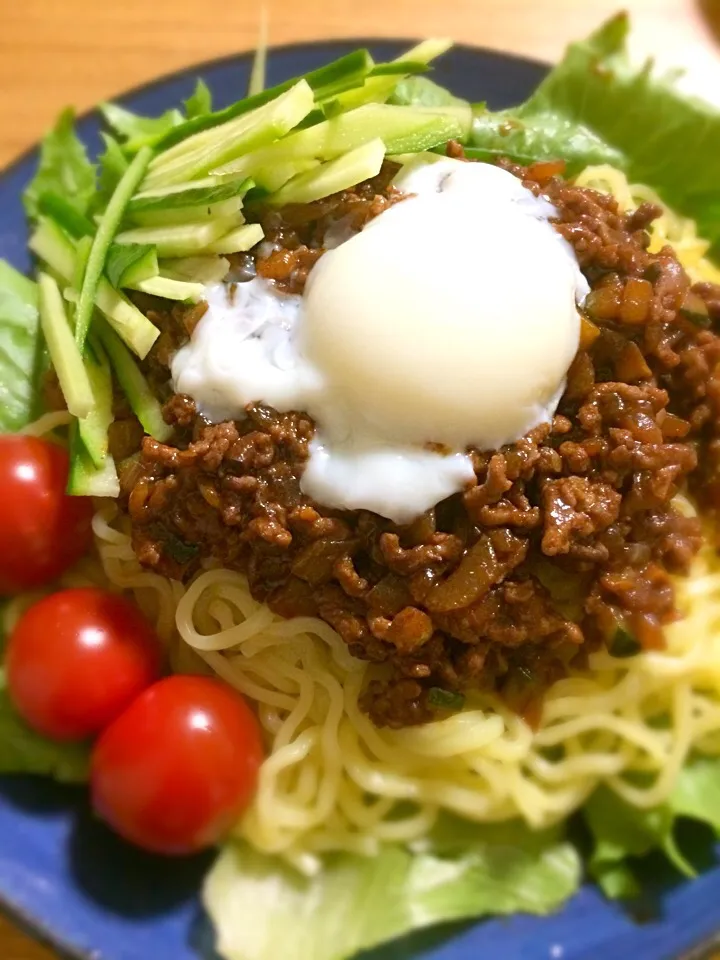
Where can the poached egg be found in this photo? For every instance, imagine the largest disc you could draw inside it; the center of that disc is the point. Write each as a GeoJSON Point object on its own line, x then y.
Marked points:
{"type": "Point", "coordinates": [450, 320]}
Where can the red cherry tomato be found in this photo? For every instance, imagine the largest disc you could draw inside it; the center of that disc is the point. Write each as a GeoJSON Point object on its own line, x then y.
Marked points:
{"type": "Point", "coordinates": [43, 531]}
{"type": "Point", "coordinates": [77, 658]}
{"type": "Point", "coordinates": [175, 771]}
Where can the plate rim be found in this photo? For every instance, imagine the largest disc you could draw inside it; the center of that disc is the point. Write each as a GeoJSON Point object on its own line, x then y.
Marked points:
{"type": "Point", "coordinates": [243, 56]}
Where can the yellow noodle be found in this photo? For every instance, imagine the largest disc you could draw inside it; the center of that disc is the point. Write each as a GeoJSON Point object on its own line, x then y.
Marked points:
{"type": "Point", "coordinates": [333, 781]}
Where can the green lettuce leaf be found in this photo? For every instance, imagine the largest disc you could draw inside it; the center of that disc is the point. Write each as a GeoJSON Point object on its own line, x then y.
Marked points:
{"type": "Point", "coordinates": [621, 831]}
{"type": "Point", "coordinates": [20, 348]}
{"type": "Point", "coordinates": [542, 136]}
{"type": "Point", "coordinates": [358, 902]}
{"type": "Point", "coordinates": [24, 751]}
{"type": "Point", "coordinates": [423, 92]}
{"type": "Point", "coordinates": [663, 138]}
{"type": "Point", "coordinates": [64, 168]}
{"type": "Point", "coordinates": [112, 164]}
{"type": "Point", "coordinates": [137, 131]}
{"type": "Point", "coordinates": [200, 101]}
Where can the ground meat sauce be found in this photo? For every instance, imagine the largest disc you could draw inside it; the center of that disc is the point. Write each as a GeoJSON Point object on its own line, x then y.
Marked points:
{"type": "Point", "coordinates": [565, 542]}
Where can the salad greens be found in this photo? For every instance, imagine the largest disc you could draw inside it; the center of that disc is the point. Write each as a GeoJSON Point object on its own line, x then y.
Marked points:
{"type": "Point", "coordinates": [200, 102]}
{"type": "Point", "coordinates": [24, 751]}
{"type": "Point", "coordinates": [596, 97]}
{"type": "Point", "coordinates": [464, 871]}
{"type": "Point", "coordinates": [136, 131]}
{"type": "Point", "coordinates": [158, 213]}
{"type": "Point", "coordinates": [621, 832]}
{"type": "Point", "coordinates": [21, 348]}
{"type": "Point", "coordinates": [64, 169]}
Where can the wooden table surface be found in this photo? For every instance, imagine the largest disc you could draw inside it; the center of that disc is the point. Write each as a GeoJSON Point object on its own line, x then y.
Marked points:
{"type": "Point", "coordinates": [55, 52]}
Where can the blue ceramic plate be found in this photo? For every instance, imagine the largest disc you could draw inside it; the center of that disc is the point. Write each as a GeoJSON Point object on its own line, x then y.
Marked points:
{"type": "Point", "coordinates": [75, 885]}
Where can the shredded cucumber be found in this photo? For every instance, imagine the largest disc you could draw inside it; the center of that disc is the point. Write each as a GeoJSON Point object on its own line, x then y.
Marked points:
{"type": "Point", "coordinates": [107, 229]}
{"type": "Point", "coordinates": [87, 480]}
{"type": "Point", "coordinates": [403, 130]}
{"type": "Point", "coordinates": [64, 352]}
{"type": "Point", "coordinates": [178, 215]}
{"type": "Point", "coordinates": [339, 174]}
{"type": "Point", "coordinates": [141, 399]}
{"type": "Point", "coordinates": [127, 264]}
{"type": "Point", "coordinates": [343, 74]}
{"type": "Point", "coordinates": [52, 246]}
{"type": "Point", "coordinates": [238, 240]}
{"type": "Point", "coordinates": [211, 269]}
{"type": "Point", "coordinates": [199, 154]}
{"type": "Point", "coordinates": [377, 89]}
{"type": "Point", "coordinates": [170, 289]}
{"type": "Point", "coordinates": [94, 427]}
{"type": "Point", "coordinates": [180, 240]}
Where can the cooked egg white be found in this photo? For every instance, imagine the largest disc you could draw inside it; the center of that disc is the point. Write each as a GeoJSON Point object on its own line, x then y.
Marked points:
{"type": "Point", "coordinates": [450, 319]}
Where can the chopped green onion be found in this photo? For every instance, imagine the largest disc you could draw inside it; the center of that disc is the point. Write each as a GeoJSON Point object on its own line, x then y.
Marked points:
{"type": "Point", "coordinates": [623, 644]}
{"type": "Point", "coordinates": [445, 699]}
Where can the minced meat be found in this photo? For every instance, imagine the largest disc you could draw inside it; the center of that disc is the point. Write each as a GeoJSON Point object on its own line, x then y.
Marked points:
{"type": "Point", "coordinates": [566, 541]}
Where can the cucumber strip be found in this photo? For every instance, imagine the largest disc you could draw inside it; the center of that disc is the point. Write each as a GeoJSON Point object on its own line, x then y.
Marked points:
{"type": "Point", "coordinates": [348, 71]}
{"type": "Point", "coordinates": [377, 88]}
{"type": "Point", "coordinates": [197, 155]}
{"type": "Point", "coordinates": [426, 51]}
{"type": "Point", "coordinates": [196, 214]}
{"type": "Point", "coordinates": [87, 480]}
{"type": "Point", "coordinates": [103, 238]}
{"type": "Point", "coordinates": [204, 183]}
{"type": "Point", "coordinates": [339, 174]}
{"type": "Point", "coordinates": [211, 190]}
{"type": "Point", "coordinates": [64, 352]}
{"type": "Point", "coordinates": [276, 176]}
{"type": "Point", "coordinates": [127, 264]}
{"type": "Point", "coordinates": [238, 240]}
{"type": "Point", "coordinates": [170, 289]}
{"type": "Point", "coordinates": [63, 213]}
{"type": "Point", "coordinates": [259, 64]}
{"type": "Point", "coordinates": [82, 252]}
{"type": "Point", "coordinates": [201, 269]}
{"type": "Point", "coordinates": [141, 399]}
{"type": "Point", "coordinates": [179, 240]}
{"type": "Point", "coordinates": [402, 129]}
{"type": "Point", "coordinates": [125, 318]}
{"type": "Point", "coordinates": [94, 427]}
{"type": "Point", "coordinates": [398, 68]}
{"type": "Point", "coordinates": [51, 245]}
